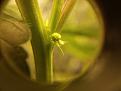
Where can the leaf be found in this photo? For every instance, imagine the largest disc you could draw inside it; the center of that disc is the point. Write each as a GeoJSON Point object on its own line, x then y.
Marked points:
{"type": "Point", "coordinates": [3, 4]}
{"type": "Point", "coordinates": [81, 47]}
{"type": "Point", "coordinates": [10, 39]}
{"type": "Point", "coordinates": [12, 31]}
{"type": "Point", "coordinates": [12, 34]}
{"type": "Point", "coordinates": [13, 12]}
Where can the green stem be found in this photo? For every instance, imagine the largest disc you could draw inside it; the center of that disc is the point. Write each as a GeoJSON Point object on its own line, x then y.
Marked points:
{"type": "Point", "coordinates": [31, 13]}
{"type": "Point", "coordinates": [55, 14]}
{"type": "Point", "coordinates": [50, 64]}
{"type": "Point", "coordinates": [66, 10]}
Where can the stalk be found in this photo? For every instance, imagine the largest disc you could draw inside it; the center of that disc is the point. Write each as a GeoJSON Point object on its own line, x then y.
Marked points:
{"type": "Point", "coordinates": [31, 13]}
{"type": "Point", "coordinates": [55, 14]}
{"type": "Point", "coordinates": [66, 10]}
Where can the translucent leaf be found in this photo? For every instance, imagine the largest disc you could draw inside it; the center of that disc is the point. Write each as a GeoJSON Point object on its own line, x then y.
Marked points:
{"type": "Point", "coordinates": [12, 31]}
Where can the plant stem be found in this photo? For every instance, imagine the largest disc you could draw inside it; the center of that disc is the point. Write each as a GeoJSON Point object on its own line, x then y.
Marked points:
{"type": "Point", "coordinates": [66, 10]}
{"type": "Point", "coordinates": [31, 13]}
{"type": "Point", "coordinates": [55, 14]}
{"type": "Point", "coordinates": [50, 64]}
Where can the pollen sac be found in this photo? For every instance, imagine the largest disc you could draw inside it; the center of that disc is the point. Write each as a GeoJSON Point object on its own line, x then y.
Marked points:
{"type": "Point", "coordinates": [55, 37]}
{"type": "Point", "coordinates": [61, 42]}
